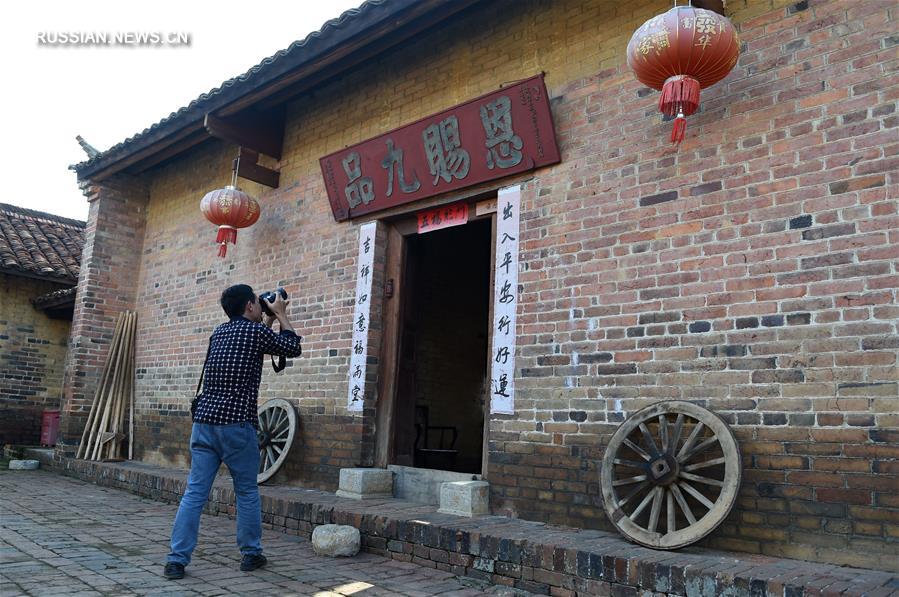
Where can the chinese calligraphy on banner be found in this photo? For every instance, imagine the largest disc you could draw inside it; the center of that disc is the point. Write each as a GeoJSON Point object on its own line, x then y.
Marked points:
{"type": "Point", "coordinates": [492, 136]}
{"type": "Point", "coordinates": [442, 217]}
{"type": "Point", "coordinates": [505, 302]}
{"type": "Point", "coordinates": [359, 351]}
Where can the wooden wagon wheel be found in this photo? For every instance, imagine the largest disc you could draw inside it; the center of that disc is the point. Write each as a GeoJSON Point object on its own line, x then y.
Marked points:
{"type": "Point", "coordinates": [670, 475]}
{"type": "Point", "coordinates": [277, 424]}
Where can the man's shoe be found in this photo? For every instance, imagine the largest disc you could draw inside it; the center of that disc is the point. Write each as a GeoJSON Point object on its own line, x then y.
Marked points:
{"type": "Point", "coordinates": [174, 571]}
{"type": "Point", "coordinates": [248, 563]}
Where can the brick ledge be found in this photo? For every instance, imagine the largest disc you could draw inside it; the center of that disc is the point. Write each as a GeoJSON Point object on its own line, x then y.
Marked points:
{"type": "Point", "coordinates": [533, 556]}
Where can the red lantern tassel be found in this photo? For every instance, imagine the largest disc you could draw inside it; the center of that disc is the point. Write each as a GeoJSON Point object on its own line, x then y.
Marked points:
{"type": "Point", "coordinates": [226, 235]}
{"type": "Point", "coordinates": [680, 129]}
{"type": "Point", "coordinates": [679, 94]}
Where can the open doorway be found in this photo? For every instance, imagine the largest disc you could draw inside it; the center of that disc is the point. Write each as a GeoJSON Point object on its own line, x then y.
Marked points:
{"type": "Point", "coordinates": [442, 360]}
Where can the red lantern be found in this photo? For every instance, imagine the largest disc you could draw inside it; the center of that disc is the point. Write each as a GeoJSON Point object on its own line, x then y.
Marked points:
{"type": "Point", "coordinates": [680, 52]}
{"type": "Point", "coordinates": [231, 209]}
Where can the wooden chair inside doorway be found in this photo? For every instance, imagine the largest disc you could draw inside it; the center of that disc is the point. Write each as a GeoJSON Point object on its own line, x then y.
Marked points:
{"type": "Point", "coordinates": [435, 445]}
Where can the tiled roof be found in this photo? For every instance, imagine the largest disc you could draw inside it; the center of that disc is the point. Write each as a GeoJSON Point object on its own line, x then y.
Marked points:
{"type": "Point", "coordinates": [55, 298]}
{"type": "Point", "coordinates": [198, 107]}
{"type": "Point", "coordinates": [35, 243]}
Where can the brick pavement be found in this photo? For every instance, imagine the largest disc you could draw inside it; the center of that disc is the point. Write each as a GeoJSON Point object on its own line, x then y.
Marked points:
{"type": "Point", "coordinates": [529, 556]}
{"type": "Point", "coordinates": [61, 536]}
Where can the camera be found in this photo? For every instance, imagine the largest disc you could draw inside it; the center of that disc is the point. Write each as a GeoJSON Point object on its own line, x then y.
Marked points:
{"type": "Point", "coordinates": [269, 297]}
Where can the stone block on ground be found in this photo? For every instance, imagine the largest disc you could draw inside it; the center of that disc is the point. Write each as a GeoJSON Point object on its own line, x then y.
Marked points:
{"type": "Point", "coordinates": [365, 483]}
{"type": "Point", "coordinates": [336, 540]}
{"type": "Point", "coordinates": [24, 465]}
{"type": "Point", "coordinates": [465, 498]}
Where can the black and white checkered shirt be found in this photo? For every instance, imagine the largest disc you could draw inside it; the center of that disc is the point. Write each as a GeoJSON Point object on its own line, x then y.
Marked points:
{"type": "Point", "coordinates": [234, 370]}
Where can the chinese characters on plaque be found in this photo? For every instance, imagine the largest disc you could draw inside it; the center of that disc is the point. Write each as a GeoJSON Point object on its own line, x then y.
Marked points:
{"type": "Point", "coordinates": [498, 134]}
{"type": "Point", "coordinates": [361, 313]}
{"type": "Point", "coordinates": [505, 302]}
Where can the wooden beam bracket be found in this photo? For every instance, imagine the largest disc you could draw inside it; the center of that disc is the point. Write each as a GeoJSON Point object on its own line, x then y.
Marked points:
{"type": "Point", "coordinates": [255, 134]}
{"type": "Point", "coordinates": [247, 166]}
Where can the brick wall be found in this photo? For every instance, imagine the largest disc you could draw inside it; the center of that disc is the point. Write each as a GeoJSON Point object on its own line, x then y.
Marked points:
{"type": "Point", "coordinates": [110, 262]}
{"type": "Point", "coordinates": [752, 270]}
{"type": "Point", "coordinates": [32, 354]}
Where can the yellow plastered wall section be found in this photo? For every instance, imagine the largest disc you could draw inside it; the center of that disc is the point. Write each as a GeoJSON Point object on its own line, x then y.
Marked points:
{"type": "Point", "coordinates": [32, 355]}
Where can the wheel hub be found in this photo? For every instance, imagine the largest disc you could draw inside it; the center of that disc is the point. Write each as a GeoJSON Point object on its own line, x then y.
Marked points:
{"type": "Point", "coordinates": [264, 439]}
{"type": "Point", "coordinates": [663, 470]}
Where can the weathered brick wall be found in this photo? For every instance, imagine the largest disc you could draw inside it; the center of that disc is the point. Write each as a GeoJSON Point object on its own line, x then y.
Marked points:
{"type": "Point", "coordinates": [32, 354]}
{"type": "Point", "coordinates": [753, 269]}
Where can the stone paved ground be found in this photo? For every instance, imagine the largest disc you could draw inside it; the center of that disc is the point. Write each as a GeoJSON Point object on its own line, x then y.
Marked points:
{"type": "Point", "coordinates": [60, 536]}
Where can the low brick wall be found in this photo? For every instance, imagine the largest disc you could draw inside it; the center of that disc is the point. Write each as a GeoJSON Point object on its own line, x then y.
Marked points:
{"type": "Point", "coordinates": [528, 555]}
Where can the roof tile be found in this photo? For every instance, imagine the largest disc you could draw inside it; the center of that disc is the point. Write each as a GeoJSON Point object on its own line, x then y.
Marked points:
{"type": "Point", "coordinates": [38, 243]}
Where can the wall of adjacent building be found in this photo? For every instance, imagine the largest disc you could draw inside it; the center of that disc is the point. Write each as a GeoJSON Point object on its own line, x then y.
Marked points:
{"type": "Point", "coordinates": [753, 269]}
{"type": "Point", "coordinates": [32, 355]}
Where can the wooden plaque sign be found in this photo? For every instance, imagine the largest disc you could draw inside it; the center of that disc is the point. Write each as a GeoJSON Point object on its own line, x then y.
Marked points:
{"type": "Point", "coordinates": [490, 137]}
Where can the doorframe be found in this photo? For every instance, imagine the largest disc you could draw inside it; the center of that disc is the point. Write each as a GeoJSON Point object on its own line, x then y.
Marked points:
{"type": "Point", "coordinates": [397, 231]}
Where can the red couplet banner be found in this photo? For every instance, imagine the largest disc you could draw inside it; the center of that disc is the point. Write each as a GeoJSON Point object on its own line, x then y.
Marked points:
{"type": "Point", "coordinates": [442, 217]}
{"type": "Point", "coordinates": [490, 137]}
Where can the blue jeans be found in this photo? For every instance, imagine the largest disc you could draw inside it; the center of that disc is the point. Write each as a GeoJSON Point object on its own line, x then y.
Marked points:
{"type": "Point", "coordinates": [210, 445]}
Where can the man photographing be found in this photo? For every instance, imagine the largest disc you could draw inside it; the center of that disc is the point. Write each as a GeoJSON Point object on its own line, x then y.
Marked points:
{"type": "Point", "coordinates": [224, 422]}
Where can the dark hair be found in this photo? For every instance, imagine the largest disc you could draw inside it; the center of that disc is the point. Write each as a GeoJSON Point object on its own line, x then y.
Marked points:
{"type": "Point", "coordinates": [235, 298]}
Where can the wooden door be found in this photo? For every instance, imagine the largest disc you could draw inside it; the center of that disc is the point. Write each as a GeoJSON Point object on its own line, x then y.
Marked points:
{"type": "Point", "coordinates": [404, 404]}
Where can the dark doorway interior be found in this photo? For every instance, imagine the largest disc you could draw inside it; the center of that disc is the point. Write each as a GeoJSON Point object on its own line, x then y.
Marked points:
{"type": "Point", "coordinates": [443, 353]}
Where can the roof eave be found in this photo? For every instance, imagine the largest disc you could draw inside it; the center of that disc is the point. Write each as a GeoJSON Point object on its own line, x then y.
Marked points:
{"type": "Point", "coordinates": [313, 55]}
{"type": "Point", "coordinates": [23, 273]}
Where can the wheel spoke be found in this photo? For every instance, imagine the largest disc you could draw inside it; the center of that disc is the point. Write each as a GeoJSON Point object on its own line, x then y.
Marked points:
{"type": "Point", "coordinates": [700, 448]}
{"type": "Point", "coordinates": [656, 509]}
{"type": "Point", "coordinates": [281, 426]}
{"type": "Point", "coordinates": [629, 481]}
{"type": "Point", "coordinates": [675, 437]}
{"type": "Point", "coordinates": [669, 509]}
{"type": "Point", "coordinates": [633, 492]}
{"type": "Point", "coordinates": [277, 415]}
{"type": "Point", "coordinates": [700, 479]}
{"type": "Point", "coordinates": [271, 455]}
{"type": "Point", "coordinates": [647, 437]}
{"type": "Point", "coordinates": [663, 432]}
{"type": "Point", "coordinates": [692, 491]}
{"type": "Point", "coordinates": [706, 464]}
{"type": "Point", "coordinates": [643, 504]}
{"type": "Point", "coordinates": [689, 443]}
{"type": "Point", "coordinates": [628, 463]}
{"type": "Point", "coordinates": [640, 451]}
{"type": "Point", "coordinates": [279, 440]}
{"type": "Point", "coordinates": [683, 504]}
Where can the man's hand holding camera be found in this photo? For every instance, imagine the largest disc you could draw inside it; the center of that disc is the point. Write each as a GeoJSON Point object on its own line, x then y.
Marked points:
{"type": "Point", "coordinates": [277, 309]}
